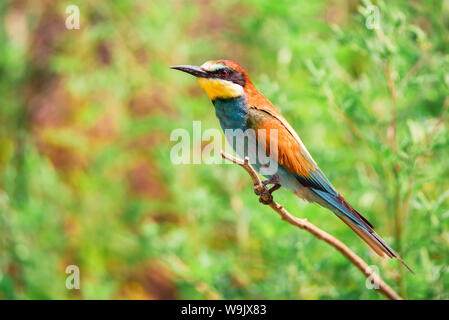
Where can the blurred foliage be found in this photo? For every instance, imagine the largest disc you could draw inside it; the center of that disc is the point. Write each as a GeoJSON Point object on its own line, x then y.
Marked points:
{"type": "Point", "coordinates": [85, 173]}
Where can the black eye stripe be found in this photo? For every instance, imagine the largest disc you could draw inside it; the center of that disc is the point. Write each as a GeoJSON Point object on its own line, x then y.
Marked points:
{"type": "Point", "coordinates": [220, 72]}
{"type": "Point", "coordinates": [236, 77]}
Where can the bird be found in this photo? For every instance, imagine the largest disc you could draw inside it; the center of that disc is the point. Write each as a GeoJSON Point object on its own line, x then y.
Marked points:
{"type": "Point", "coordinates": [240, 106]}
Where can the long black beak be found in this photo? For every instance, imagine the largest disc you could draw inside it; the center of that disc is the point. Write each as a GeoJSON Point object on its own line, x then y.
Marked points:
{"type": "Point", "coordinates": [193, 70]}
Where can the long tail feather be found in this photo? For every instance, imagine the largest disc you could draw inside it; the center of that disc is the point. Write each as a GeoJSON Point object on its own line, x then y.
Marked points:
{"type": "Point", "coordinates": [360, 225]}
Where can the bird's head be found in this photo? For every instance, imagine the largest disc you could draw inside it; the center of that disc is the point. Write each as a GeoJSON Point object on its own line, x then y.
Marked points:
{"type": "Point", "coordinates": [221, 79]}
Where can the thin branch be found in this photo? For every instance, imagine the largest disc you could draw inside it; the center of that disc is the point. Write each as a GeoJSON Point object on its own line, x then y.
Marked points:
{"type": "Point", "coordinates": [377, 281]}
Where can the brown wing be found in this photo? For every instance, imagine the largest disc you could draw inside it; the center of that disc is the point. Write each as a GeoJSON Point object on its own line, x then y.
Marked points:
{"type": "Point", "coordinates": [290, 151]}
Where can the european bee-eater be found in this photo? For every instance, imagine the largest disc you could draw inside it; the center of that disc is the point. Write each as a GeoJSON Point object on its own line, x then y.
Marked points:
{"type": "Point", "coordinates": [239, 105]}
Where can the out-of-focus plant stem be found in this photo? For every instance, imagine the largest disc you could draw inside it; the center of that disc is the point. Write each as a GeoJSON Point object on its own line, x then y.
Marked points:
{"type": "Point", "coordinates": [392, 135]}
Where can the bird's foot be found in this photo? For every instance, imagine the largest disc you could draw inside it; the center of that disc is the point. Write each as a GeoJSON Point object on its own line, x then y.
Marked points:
{"type": "Point", "coordinates": [260, 189]}
{"type": "Point", "coordinates": [265, 196]}
{"type": "Point", "coordinates": [273, 180]}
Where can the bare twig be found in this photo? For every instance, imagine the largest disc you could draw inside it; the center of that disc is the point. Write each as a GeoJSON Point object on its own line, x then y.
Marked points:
{"type": "Point", "coordinates": [379, 284]}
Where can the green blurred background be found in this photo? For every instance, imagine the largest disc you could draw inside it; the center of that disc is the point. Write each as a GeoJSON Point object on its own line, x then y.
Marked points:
{"type": "Point", "coordinates": [85, 171]}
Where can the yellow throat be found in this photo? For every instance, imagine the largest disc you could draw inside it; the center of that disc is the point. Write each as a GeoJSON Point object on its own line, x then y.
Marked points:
{"type": "Point", "coordinates": [218, 88]}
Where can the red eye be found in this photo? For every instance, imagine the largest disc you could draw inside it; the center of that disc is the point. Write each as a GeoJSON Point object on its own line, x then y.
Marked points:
{"type": "Point", "coordinates": [224, 73]}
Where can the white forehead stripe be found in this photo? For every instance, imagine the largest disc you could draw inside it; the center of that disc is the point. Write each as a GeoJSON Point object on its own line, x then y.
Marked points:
{"type": "Point", "coordinates": [212, 66]}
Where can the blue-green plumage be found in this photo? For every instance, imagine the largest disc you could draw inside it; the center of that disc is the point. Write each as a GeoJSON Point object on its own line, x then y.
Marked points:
{"type": "Point", "coordinates": [232, 113]}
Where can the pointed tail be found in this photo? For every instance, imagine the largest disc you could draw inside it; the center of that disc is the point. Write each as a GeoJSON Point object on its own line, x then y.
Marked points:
{"type": "Point", "coordinates": [361, 226]}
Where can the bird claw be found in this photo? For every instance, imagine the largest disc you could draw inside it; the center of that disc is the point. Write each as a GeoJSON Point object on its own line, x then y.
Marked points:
{"type": "Point", "coordinates": [266, 197]}
{"type": "Point", "coordinates": [258, 189]}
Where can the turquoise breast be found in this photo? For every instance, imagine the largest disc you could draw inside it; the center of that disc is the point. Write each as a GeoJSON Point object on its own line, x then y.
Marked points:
{"type": "Point", "coordinates": [231, 113]}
